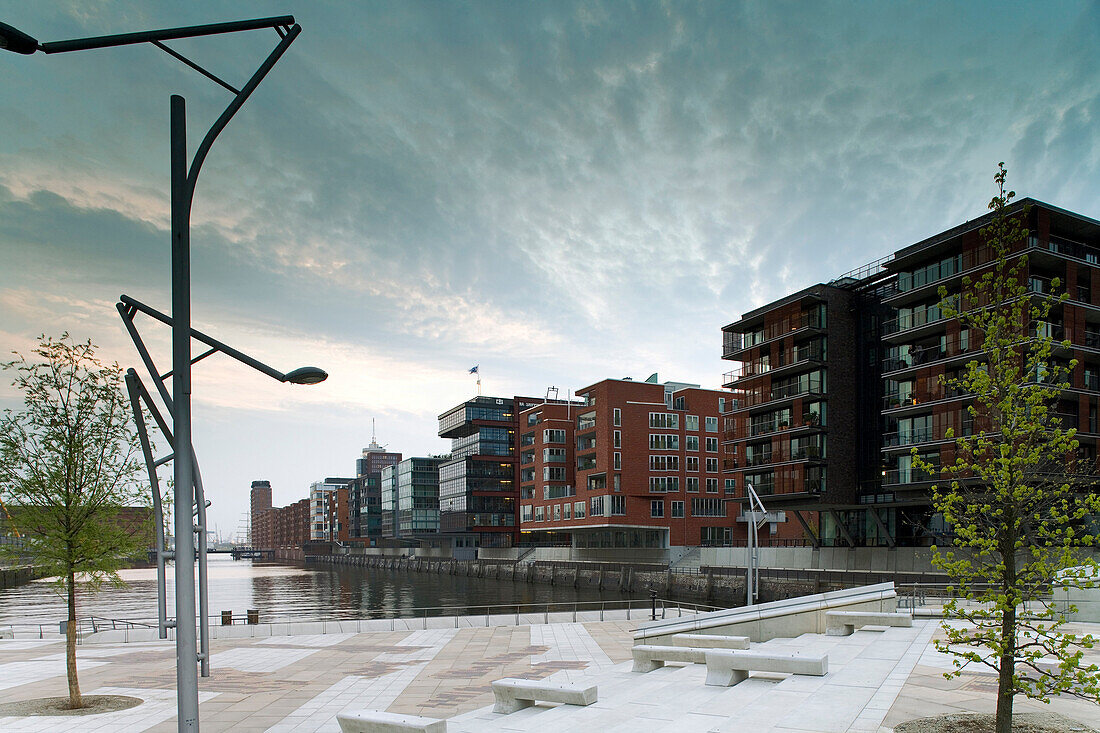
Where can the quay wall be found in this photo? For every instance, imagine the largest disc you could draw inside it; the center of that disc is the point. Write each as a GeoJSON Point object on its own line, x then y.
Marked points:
{"type": "Point", "coordinates": [638, 578]}
{"type": "Point", "coordinates": [11, 577]}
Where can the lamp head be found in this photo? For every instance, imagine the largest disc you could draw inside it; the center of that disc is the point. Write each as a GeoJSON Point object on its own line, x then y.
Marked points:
{"type": "Point", "coordinates": [12, 39]}
{"type": "Point", "coordinates": [306, 375]}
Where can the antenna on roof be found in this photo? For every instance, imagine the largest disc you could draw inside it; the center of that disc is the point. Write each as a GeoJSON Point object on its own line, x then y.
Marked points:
{"type": "Point", "coordinates": [548, 391]}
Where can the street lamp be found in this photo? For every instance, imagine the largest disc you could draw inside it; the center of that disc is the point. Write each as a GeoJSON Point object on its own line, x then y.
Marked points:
{"type": "Point", "coordinates": [184, 177]}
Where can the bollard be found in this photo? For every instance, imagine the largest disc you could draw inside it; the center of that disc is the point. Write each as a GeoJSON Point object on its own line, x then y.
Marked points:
{"type": "Point", "coordinates": [253, 616]}
{"type": "Point", "coordinates": [653, 600]}
{"type": "Point", "coordinates": [227, 618]}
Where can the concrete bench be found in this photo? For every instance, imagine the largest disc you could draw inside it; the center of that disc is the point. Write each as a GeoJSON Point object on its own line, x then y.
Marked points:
{"type": "Point", "coordinates": [378, 721]}
{"type": "Point", "coordinates": [727, 667]}
{"type": "Point", "coordinates": [714, 641]}
{"type": "Point", "coordinates": [514, 694]}
{"type": "Point", "coordinates": [648, 657]}
{"type": "Point", "coordinates": [844, 623]}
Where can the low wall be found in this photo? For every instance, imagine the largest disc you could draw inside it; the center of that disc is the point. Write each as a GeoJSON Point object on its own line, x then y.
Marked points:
{"type": "Point", "coordinates": [11, 577]}
{"type": "Point", "coordinates": [880, 559]}
{"type": "Point", "coordinates": [787, 618]}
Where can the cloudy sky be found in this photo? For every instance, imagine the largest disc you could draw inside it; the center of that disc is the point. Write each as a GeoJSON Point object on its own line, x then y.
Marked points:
{"type": "Point", "coordinates": [559, 192]}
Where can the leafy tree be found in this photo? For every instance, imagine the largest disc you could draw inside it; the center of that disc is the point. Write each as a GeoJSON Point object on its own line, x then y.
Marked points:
{"type": "Point", "coordinates": [1018, 513]}
{"type": "Point", "coordinates": [68, 470]}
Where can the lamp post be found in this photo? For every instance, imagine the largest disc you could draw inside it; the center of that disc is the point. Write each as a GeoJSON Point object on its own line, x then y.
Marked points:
{"type": "Point", "coordinates": [184, 176]}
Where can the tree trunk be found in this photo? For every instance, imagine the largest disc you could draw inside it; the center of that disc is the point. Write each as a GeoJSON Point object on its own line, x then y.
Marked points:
{"type": "Point", "coordinates": [70, 645]}
{"type": "Point", "coordinates": [1005, 687]}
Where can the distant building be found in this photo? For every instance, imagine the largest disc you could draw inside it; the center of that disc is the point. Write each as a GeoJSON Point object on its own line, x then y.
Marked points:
{"type": "Point", "coordinates": [261, 529]}
{"type": "Point", "coordinates": [365, 493]}
{"type": "Point", "coordinates": [410, 498]}
{"type": "Point", "coordinates": [478, 491]}
{"type": "Point", "coordinates": [636, 466]}
{"type": "Point", "coordinates": [325, 525]}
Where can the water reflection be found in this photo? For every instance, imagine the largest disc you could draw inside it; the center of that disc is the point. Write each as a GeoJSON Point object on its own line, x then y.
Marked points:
{"type": "Point", "coordinates": [287, 591]}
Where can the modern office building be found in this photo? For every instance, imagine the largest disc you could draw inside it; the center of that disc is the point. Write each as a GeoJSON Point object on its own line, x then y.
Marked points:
{"type": "Point", "coordinates": [837, 384]}
{"type": "Point", "coordinates": [641, 468]}
{"type": "Point", "coordinates": [410, 498]}
{"type": "Point", "coordinates": [478, 489]}
{"type": "Point", "coordinates": [365, 493]}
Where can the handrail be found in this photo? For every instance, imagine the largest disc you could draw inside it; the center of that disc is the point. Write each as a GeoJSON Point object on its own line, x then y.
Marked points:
{"type": "Point", "coordinates": [517, 610]}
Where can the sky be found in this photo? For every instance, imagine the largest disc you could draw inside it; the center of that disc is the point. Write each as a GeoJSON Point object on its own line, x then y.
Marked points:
{"type": "Point", "coordinates": [557, 192]}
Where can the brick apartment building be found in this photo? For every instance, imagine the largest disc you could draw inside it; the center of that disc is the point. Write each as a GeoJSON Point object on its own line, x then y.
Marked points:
{"type": "Point", "coordinates": [277, 528]}
{"type": "Point", "coordinates": [635, 465]}
{"type": "Point", "coordinates": [328, 516]}
{"type": "Point", "coordinates": [837, 384]}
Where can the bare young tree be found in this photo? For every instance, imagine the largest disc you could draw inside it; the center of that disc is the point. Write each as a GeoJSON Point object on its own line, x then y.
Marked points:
{"type": "Point", "coordinates": [69, 473]}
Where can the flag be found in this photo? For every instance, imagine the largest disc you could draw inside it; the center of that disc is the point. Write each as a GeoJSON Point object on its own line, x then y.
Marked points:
{"type": "Point", "coordinates": [473, 369]}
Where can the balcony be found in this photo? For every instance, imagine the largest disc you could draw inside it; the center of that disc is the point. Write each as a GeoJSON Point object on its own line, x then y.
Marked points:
{"type": "Point", "coordinates": [908, 437]}
{"type": "Point", "coordinates": [909, 476]}
{"type": "Point", "coordinates": [734, 342]}
{"type": "Point", "coordinates": [909, 321]}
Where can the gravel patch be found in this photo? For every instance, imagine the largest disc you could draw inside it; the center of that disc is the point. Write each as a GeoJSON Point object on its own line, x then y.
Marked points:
{"type": "Point", "coordinates": [93, 705]}
{"type": "Point", "coordinates": [976, 723]}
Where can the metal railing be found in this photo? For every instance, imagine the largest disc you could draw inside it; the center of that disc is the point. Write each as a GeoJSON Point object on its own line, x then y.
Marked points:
{"type": "Point", "coordinates": [517, 613]}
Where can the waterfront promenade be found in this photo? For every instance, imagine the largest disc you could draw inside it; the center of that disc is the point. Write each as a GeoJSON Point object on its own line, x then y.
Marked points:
{"type": "Point", "coordinates": [299, 683]}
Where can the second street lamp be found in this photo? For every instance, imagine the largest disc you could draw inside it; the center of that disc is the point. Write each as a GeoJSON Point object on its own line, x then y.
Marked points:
{"type": "Point", "coordinates": [184, 176]}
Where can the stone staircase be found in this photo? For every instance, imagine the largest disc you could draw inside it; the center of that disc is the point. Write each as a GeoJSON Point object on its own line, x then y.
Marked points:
{"type": "Point", "coordinates": [689, 562]}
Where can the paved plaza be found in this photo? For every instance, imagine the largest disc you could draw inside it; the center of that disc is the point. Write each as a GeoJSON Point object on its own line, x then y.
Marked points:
{"type": "Point", "coordinates": [876, 680]}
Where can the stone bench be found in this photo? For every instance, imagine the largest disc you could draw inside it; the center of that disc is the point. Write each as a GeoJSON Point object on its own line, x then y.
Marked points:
{"type": "Point", "coordinates": [844, 623]}
{"type": "Point", "coordinates": [714, 641]}
{"type": "Point", "coordinates": [514, 694]}
{"type": "Point", "coordinates": [727, 667]}
{"type": "Point", "coordinates": [648, 657]}
{"type": "Point", "coordinates": [378, 721]}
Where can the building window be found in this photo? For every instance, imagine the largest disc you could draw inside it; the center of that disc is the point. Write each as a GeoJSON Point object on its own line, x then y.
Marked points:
{"type": "Point", "coordinates": [597, 504]}
{"type": "Point", "coordinates": [616, 482]}
{"type": "Point", "coordinates": [712, 445]}
{"type": "Point", "coordinates": [691, 442]}
{"type": "Point", "coordinates": [693, 484]}
{"type": "Point", "coordinates": [553, 436]}
{"type": "Point", "coordinates": [553, 473]}
{"type": "Point", "coordinates": [712, 486]}
{"type": "Point", "coordinates": [578, 510]}
{"type": "Point", "coordinates": [661, 484]}
{"type": "Point", "coordinates": [712, 465]}
{"type": "Point", "coordinates": [618, 437]}
{"type": "Point", "coordinates": [691, 422]}
{"type": "Point", "coordinates": [656, 508]}
{"type": "Point", "coordinates": [617, 416]}
{"type": "Point", "coordinates": [692, 463]}
{"type": "Point", "coordinates": [618, 505]}
{"type": "Point", "coordinates": [664, 420]}
{"type": "Point", "coordinates": [712, 425]}
{"type": "Point", "coordinates": [707, 508]}
{"type": "Point", "coordinates": [618, 461]}
{"type": "Point", "coordinates": [664, 442]}
{"type": "Point", "coordinates": [721, 405]}
{"type": "Point", "coordinates": [731, 485]}
{"type": "Point", "coordinates": [533, 418]}
{"type": "Point", "coordinates": [565, 510]}
{"type": "Point", "coordinates": [557, 512]}
{"type": "Point", "coordinates": [677, 509]}
{"type": "Point", "coordinates": [540, 514]}
{"type": "Point", "coordinates": [664, 463]}
{"type": "Point", "coordinates": [526, 513]}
